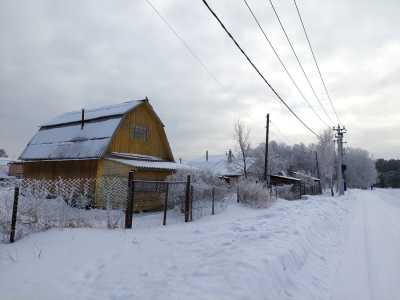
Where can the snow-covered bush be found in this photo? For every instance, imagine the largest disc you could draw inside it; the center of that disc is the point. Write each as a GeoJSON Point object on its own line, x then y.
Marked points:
{"type": "Point", "coordinates": [286, 192]}
{"type": "Point", "coordinates": [42, 206]}
{"type": "Point", "coordinates": [254, 194]}
{"type": "Point", "coordinates": [5, 213]}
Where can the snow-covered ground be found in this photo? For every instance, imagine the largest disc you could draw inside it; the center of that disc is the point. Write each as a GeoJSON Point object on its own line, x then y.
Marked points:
{"type": "Point", "coordinates": [321, 248]}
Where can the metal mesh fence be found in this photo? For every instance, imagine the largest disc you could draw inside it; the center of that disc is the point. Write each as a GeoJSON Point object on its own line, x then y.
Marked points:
{"type": "Point", "coordinates": [102, 203]}
{"type": "Point", "coordinates": [208, 201]}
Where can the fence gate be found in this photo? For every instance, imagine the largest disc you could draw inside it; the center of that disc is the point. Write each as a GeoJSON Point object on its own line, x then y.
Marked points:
{"type": "Point", "coordinates": [152, 195]}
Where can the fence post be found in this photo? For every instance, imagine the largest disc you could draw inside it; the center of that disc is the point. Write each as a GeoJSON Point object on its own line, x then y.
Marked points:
{"type": "Point", "coordinates": [166, 205]}
{"type": "Point", "coordinates": [187, 196]}
{"type": "Point", "coordinates": [300, 187]}
{"type": "Point", "coordinates": [213, 200]}
{"type": "Point", "coordinates": [191, 203]}
{"type": "Point", "coordinates": [129, 203]}
{"type": "Point", "coordinates": [237, 193]}
{"type": "Point", "coordinates": [14, 214]}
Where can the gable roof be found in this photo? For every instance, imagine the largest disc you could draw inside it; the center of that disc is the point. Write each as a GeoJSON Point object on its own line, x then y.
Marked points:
{"type": "Point", "coordinates": [62, 138]}
{"type": "Point", "coordinates": [114, 110]}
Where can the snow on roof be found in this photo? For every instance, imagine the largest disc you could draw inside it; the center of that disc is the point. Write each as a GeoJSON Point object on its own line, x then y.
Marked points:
{"type": "Point", "coordinates": [219, 165]}
{"type": "Point", "coordinates": [148, 164]}
{"type": "Point", "coordinates": [286, 177]}
{"type": "Point", "coordinates": [69, 141]}
{"type": "Point", "coordinates": [90, 114]}
{"type": "Point", "coordinates": [302, 175]}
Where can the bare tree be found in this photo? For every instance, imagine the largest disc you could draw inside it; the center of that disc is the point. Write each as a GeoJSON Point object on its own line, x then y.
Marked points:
{"type": "Point", "coordinates": [242, 139]}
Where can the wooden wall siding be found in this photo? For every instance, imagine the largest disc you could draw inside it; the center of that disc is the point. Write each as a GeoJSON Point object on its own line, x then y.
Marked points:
{"type": "Point", "coordinates": [143, 201]}
{"type": "Point", "coordinates": [56, 169]}
{"type": "Point", "coordinates": [16, 169]}
{"type": "Point", "coordinates": [156, 143]}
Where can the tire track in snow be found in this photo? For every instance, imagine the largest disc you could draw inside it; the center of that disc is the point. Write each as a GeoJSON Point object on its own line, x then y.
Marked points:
{"type": "Point", "coordinates": [367, 252]}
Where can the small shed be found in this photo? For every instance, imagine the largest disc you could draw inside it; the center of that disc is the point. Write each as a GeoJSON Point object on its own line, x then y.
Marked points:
{"type": "Point", "coordinates": [309, 184]}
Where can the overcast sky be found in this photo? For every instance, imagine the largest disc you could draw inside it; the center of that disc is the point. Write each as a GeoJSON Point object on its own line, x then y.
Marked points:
{"type": "Point", "coordinates": [57, 56]}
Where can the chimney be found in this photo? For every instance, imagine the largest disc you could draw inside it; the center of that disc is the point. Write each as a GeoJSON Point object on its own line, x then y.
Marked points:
{"type": "Point", "coordinates": [230, 155]}
{"type": "Point", "coordinates": [83, 118]}
{"type": "Point", "coordinates": [180, 160]}
{"type": "Point", "coordinates": [206, 155]}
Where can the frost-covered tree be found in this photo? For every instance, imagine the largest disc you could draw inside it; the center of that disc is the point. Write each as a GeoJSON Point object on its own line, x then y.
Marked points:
{"type": "Point", "coordinates": [360, 171]}
{"type": "Point", "coordinates": [326, 158]}
{"type": "Point", "coordinates": [302, 158]}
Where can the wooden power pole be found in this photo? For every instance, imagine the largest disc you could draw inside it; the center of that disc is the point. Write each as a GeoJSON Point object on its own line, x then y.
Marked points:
{"type": "Point", "coordinates": [266, 151]}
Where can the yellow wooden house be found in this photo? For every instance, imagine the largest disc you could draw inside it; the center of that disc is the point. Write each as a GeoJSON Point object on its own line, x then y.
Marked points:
{"type": "Point", "coordinates": [96, 143]}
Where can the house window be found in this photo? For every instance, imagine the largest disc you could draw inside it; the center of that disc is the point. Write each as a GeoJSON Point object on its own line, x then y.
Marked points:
{"type": "Point", "coordinates": [140, 133]}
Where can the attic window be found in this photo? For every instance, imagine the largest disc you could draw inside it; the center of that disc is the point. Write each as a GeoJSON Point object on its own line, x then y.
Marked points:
{"type": "Point", "coordinates": [140, 133]}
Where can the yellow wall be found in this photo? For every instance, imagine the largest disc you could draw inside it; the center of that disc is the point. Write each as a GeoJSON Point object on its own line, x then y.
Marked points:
{"type": "Point", "coordinates": [156, 143]}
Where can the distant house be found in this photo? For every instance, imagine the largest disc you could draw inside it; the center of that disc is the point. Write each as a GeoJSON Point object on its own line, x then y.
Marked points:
{"type": "Point", "coordinates": [95, 143]}
{"type": "Point", "coordinates": [225, 166]}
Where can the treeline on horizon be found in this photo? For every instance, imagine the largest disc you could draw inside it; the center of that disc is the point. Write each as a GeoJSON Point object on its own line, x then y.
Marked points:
{"type": "Point", "coordinates": [388, 173]}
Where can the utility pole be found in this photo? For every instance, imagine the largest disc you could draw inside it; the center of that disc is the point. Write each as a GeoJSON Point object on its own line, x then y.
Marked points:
{"type": "Point", "coordinates": [339, 138]}
{"type": "Point", "coordinates": [266, 151]}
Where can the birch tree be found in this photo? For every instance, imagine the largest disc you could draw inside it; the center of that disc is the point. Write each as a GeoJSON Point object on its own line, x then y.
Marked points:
{"type": "Point", "coordinates": [242, 140]}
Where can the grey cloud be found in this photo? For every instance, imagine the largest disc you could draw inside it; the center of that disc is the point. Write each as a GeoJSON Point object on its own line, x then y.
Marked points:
{"type": "Point", "coordinates": [63, 55]}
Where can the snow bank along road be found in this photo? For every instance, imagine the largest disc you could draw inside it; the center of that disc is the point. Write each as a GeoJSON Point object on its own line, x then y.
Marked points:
{"type": "Point", "coordinates": [321, 248]}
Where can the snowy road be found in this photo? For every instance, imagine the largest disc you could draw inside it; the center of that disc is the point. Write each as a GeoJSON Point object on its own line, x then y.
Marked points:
{"type": "Point", "coordinates": [370, 263]}
{"type": "Point", "coordinates": [322, 248]}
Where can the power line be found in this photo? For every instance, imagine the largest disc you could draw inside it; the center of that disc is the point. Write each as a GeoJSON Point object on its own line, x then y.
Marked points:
{"type": "Point", "coordinates": [298, 61]}
{"type": "Point", "coordinates": [315, 61]}
{"type": "Point", "coordinates": [257, 70]}
{"type": "Point", "coordinates": [282, 63]}
{"type": "Point", "coordinates": [184, 43]}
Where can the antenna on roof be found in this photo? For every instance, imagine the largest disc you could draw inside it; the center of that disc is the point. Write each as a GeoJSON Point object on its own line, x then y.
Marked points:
{"type": "Point", "coordinates": [83, 118]}
{"type": "Point", "coordinates": [206, 155]}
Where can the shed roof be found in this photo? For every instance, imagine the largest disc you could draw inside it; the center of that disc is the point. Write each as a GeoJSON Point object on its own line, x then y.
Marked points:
{"type": "Point", "coordinates": [145, 161]}
{"type": "Point", "coordinates": [304, 176]}
{"type": "Point", "coordinates": [62, 137]}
